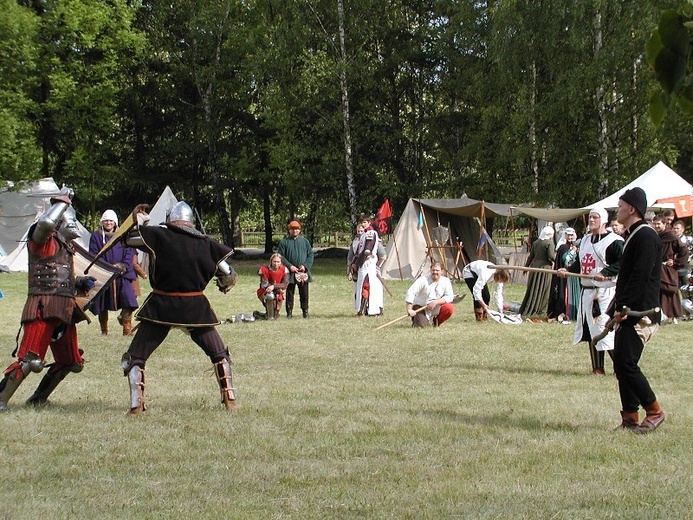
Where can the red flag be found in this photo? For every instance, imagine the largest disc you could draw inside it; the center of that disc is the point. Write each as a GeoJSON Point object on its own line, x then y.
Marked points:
{"type": "Point", "coordinates": [382, 222]}
{"type": "Point", "coordinates": [682, 205]}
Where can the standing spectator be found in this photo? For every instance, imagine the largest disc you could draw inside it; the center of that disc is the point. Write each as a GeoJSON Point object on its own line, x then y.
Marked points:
{"type": "Point", "coordinates": [352, 269]}
{"type": "Point", "coordinates": [477, 275]}
{"type": "Point", "coordinates": [616, 227]}
{"type": "Point", "coordinates": [687, 240]}
{"type": "Point", "coordinates": [297, 256]}
{"type": "Point", "coordinates": [674, 257]}
{"type": "Point", "coordinates": [274, 279]}
{"type": "Point", "coordinates": [186, 261]}
{"type": "Point", "coordinates": [543, 253]}
{"type": "Point", "coordinates": [638, 289]}
{"type": "Point", "coordinates": [433, 293]}
{"type": "Point", "coordinates": [370, 254]}
{"type": "Point", "coordinates": [119, 294]}
{"type": "Point", "coordinates": [559, 296]}
{"type": "Point", "coordinates": [50, 311]}
{"type": "Point", "coordinates": [600, 254]}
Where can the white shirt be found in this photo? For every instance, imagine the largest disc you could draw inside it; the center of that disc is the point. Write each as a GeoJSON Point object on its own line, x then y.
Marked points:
{"type": "Point", "coordinates": [484, 273]}
{"type": "Point", "coordinates": [425, 290]}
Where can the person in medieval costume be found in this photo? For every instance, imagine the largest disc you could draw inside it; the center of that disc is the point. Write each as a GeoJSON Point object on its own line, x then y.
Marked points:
{"type": "Point", "coordinates": [352, 269]}
{"type": "Point", "coordinates": [560, 295]}
{"type": "Point", "coordinates": [297, 256]}
{"type": "Point", "coordinates": [477, 275]}
{"type": "Point", "coordinates": [600, 255]}
{"type": "Point", "coordinates": [428, 300]}
{"type": "Point", "coordinates": [674, 257]}
{"type": "Point", "coordinates": [369, 256]}
{"type": "Point", "coordinates": [274, 279]}
{"type": "Point", "coordinates": [51, 311]}
{"type": "Point", "coordinates": [542, 255]}
{"type": "Point", "coordinates": [119, 294]}
{"type": "Point", "coordinates": [183, 263]}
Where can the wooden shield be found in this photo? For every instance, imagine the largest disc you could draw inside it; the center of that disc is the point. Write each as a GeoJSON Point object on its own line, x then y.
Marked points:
{"type": "Point", "coordinates": [102, 271]}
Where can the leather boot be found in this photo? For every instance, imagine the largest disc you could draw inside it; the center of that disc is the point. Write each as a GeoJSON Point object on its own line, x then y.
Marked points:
{"type": "Point", "coordinates": [127, 327]}
{"type": "Point", "coordinates": [655, 416]}
{"type": "Point", "coordinates": [629, 421]}
{"type": "Point", "coordinates": [222, 369]}
{"type": "Point", "coordinates": [50, 381]}
{"type": "Point", "coordinates": [103, 321]}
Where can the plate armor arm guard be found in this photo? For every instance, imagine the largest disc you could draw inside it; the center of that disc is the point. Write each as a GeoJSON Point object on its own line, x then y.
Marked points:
{"type": "Point", "coordinates": [226, 276]}
{"type": "Point", "coordinates": [48, 222]}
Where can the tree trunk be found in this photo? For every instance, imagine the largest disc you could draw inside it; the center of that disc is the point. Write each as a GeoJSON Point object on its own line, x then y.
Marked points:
{"type": "Point", "coordinates": [348, 159]}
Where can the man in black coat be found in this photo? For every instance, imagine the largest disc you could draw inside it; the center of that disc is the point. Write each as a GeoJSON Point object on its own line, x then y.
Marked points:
{"type": "Point", "coordinates": [638, 289]}
{"type": "Point", "coordinates": [183, 262]}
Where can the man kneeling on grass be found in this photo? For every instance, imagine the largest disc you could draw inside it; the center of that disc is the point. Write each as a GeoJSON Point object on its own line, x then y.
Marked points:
{"type": "Point", "coordinates": [429, 299]}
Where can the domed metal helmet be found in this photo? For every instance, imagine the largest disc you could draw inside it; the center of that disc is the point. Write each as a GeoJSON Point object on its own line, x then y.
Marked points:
{"type": "Point", "coordinates": [181, 211]}
{"type": "Point", "coordinates": [69, 228]}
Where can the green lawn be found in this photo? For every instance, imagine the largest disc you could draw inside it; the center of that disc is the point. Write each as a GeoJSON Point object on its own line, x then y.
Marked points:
{"type": "Point", "coordinates": [340, 421]}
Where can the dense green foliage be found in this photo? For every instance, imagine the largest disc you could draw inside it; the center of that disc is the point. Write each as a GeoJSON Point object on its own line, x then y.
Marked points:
{"type": "Point", "coordinates": [240, 105]}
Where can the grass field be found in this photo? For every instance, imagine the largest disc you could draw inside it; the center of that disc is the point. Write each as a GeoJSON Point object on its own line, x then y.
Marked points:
{"type": "Point", "coordinates": [338, 421]}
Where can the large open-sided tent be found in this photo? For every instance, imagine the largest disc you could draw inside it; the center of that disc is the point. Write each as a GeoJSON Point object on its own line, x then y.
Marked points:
{"type": "Point", "coordinates": [445, 230]}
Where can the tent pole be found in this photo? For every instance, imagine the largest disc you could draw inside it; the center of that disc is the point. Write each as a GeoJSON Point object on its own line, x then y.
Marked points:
{"type": "Point", "coordinates": [512, 226]}
{"type": "Point", "coordinates": [428, 233]}
{"type": "Point", "coordinates": [399, 264]}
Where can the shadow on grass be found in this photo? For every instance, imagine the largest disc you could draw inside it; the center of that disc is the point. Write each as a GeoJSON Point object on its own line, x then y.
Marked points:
{"type": "Point", "coordinates": [507, 421]}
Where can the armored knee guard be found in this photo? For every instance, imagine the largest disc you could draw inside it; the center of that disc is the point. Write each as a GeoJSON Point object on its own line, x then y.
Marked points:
{"type": "Point", "coordinates": [15, 374]}
{"type": "Point", "coordinates": [135, 375]}
{"type": "Point", "coordinates": [50, 381]}
{"type": "Point", "coordinates": [222, 369]}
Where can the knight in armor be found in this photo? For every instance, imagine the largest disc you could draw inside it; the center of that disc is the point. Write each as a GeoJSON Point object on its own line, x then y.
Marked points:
{"type": "Point", "coordinates": [600, 254]}
{"type": "Point", "coordinates": [274, 279]}
{"type": "Point", "coordinates": [183, 261]}
{"type": "Point", "coordinates": [51, 311]}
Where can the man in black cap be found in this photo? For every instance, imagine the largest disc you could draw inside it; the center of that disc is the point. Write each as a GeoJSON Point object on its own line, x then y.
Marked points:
{"type": "Point", "coordinates": [638, 289]}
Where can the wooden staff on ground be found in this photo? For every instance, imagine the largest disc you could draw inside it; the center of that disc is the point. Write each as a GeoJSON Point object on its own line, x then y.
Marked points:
{"type": "Point", "coordinates": [456, 299]}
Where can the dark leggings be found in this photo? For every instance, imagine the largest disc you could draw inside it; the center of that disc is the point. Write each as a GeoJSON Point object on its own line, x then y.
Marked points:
{"type": "Point", "coordinates": [150, 335]}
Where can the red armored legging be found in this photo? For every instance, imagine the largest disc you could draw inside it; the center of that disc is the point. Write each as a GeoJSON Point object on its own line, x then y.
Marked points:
{"type": "Point", "coordinates": [38, 336]}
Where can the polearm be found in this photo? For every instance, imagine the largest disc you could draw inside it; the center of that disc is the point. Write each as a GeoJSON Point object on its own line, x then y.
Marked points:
{"type": "Point", "coordinates": [417, 311]}
{"type": "Point", "coordinates": [612, 322]}
{"type": "Point", "coordinates": [382, 281]}
{"type": "Point", "coordinates": [541, 270]}
{"type": "Point", "coordinates": [456, 299]}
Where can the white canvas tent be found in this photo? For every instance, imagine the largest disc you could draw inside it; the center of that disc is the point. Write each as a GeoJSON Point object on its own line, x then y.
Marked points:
{"type": "Point", "coordinates": [450, 229]}
{"type": "Point", "coordinates": [19, 208]}
{"type": "Point", "coordinates": [659, 182]}
{"type": "Point", "coordinates": [18, 211]}
{"type": "Point", "coordinates": [157, 215]}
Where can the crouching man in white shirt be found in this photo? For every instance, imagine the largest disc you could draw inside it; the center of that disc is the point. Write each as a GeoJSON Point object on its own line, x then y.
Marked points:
{"type": "Point", "coordinates": [429, 299]}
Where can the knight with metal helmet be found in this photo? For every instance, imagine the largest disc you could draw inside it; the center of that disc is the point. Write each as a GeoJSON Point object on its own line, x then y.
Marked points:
{"type": "Point", "coordinates": [183, 261]}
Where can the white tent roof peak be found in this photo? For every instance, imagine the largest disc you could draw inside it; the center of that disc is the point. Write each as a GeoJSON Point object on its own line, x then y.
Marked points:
{"type": "Point", "coordinates": [659, 182]}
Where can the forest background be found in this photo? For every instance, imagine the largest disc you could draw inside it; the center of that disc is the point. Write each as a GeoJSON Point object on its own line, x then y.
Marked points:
{"type": "Point", "coordinates": [257, 110]}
